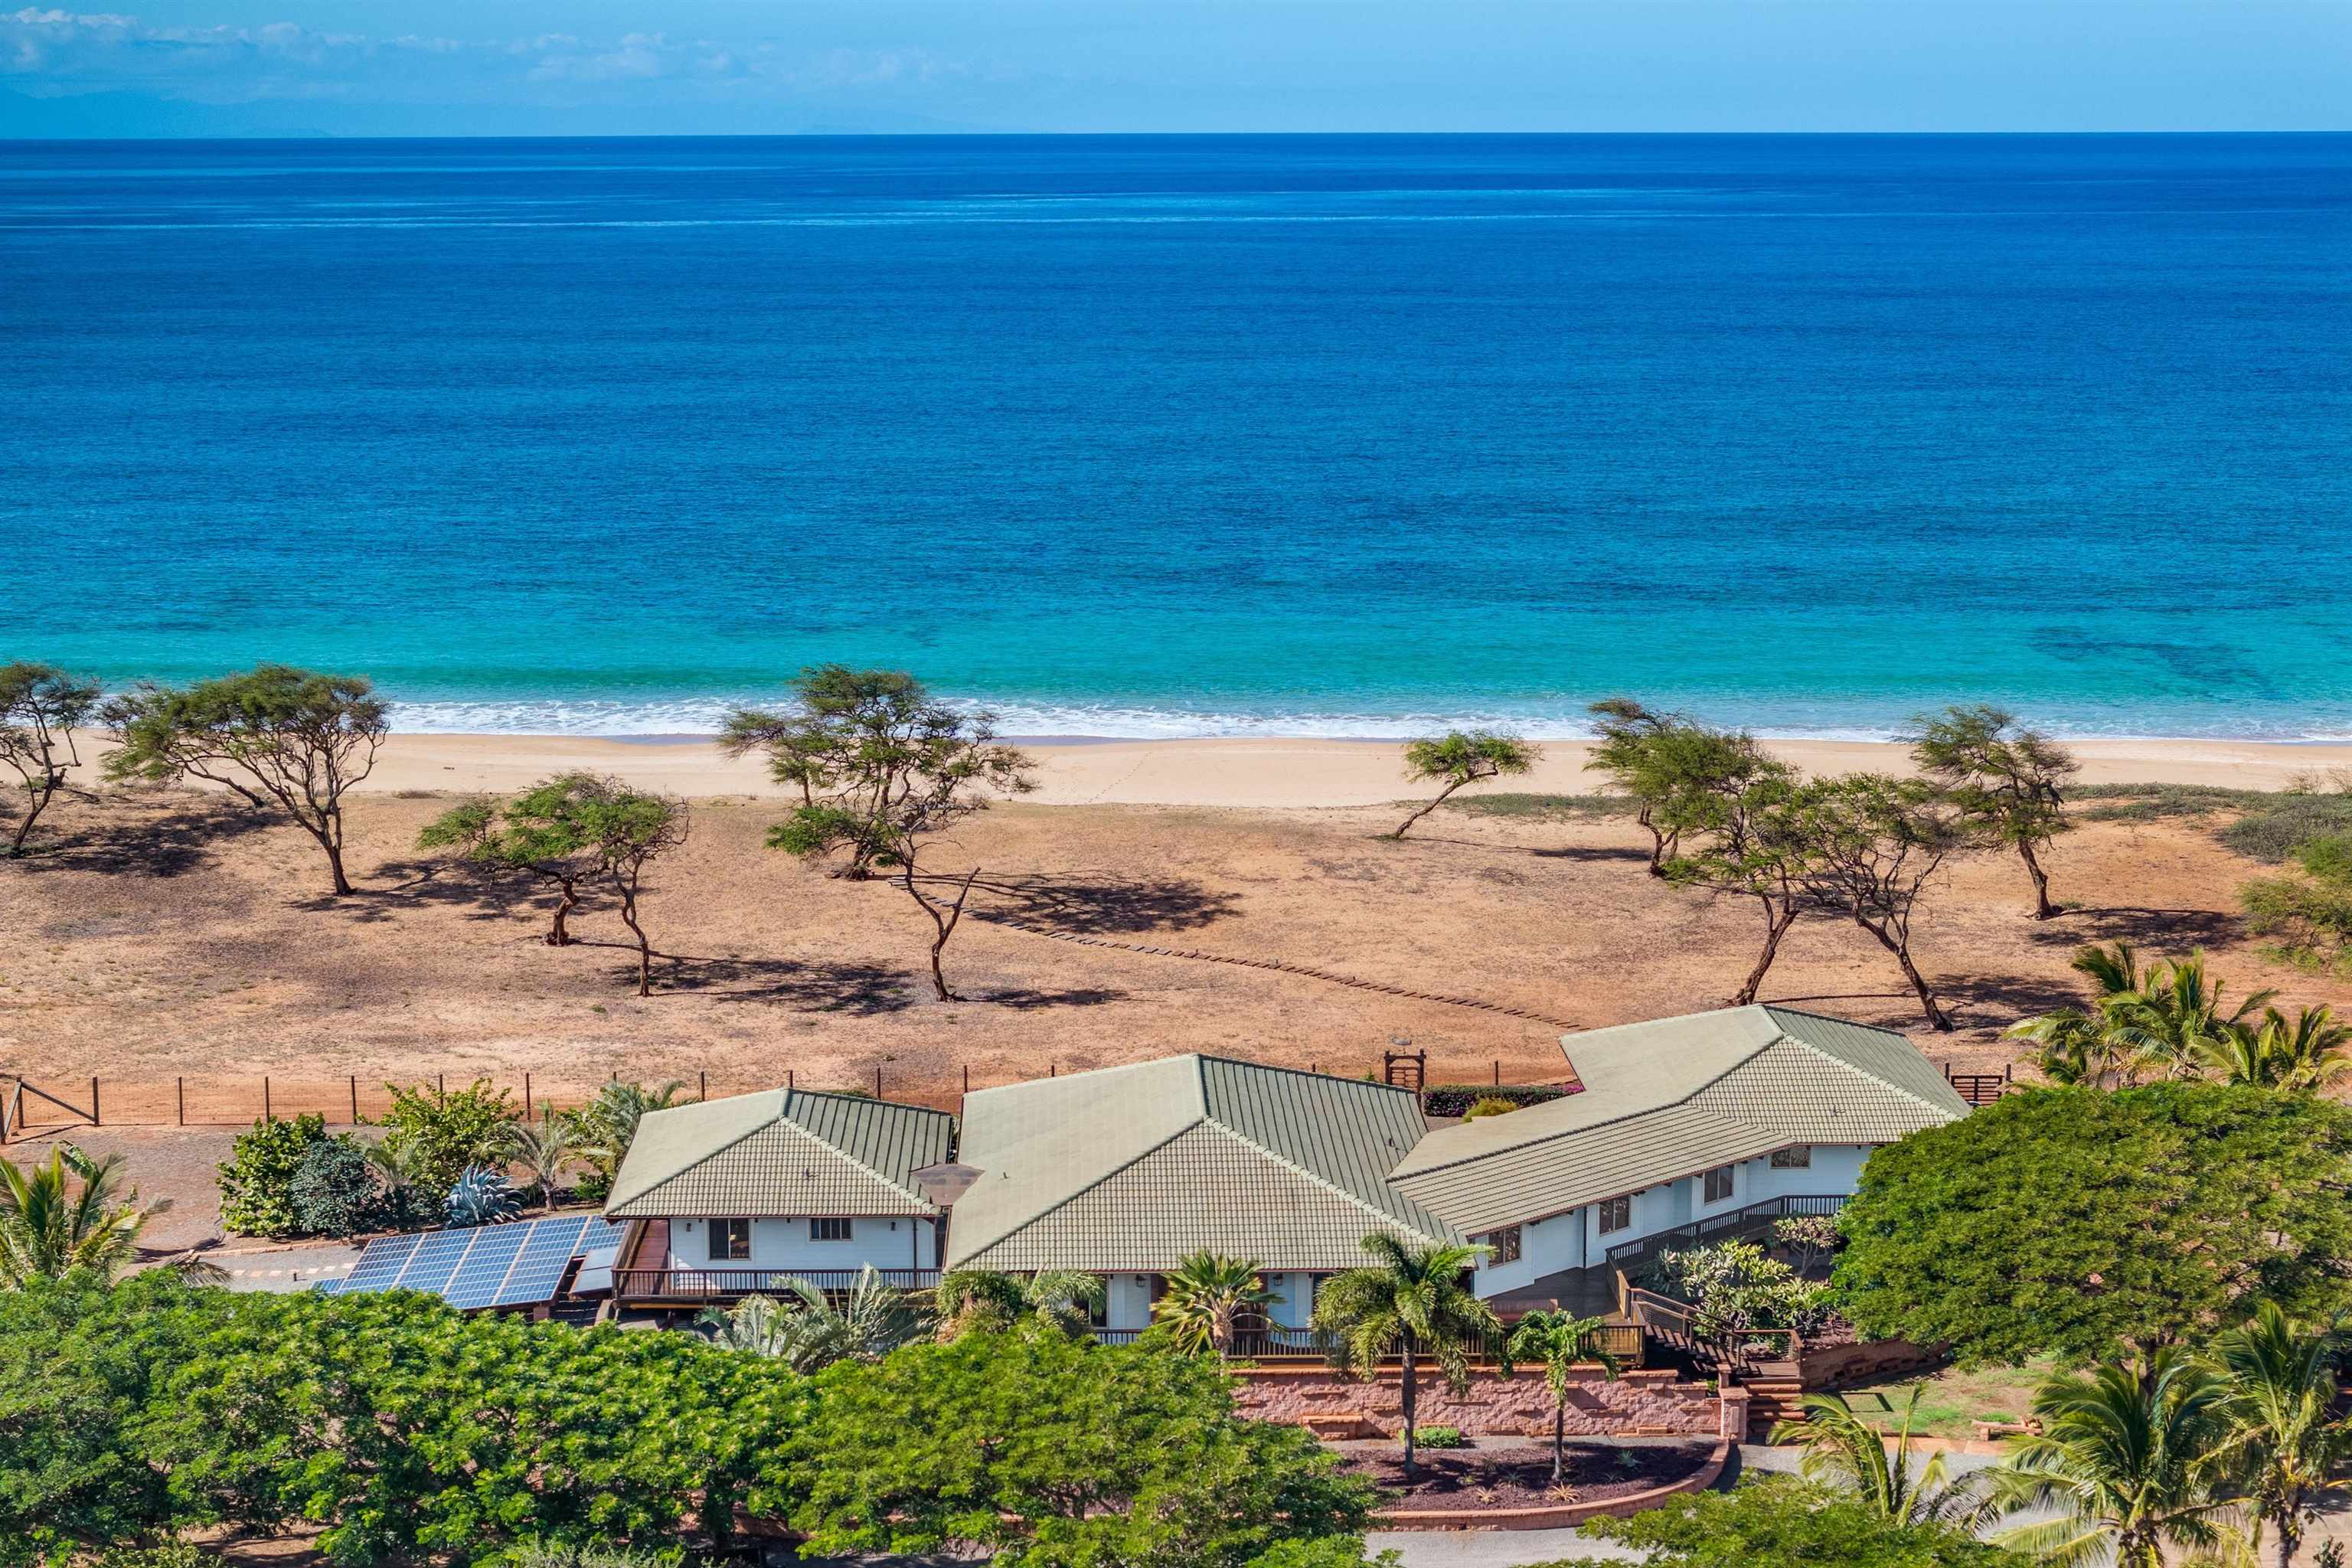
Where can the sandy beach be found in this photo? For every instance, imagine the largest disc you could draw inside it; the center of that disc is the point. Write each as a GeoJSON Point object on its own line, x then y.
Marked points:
{"type": "Point", "coordinates": [1270, 772]}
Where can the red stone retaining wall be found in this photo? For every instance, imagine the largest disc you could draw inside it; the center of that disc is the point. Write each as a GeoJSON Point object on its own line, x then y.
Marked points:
{"type": "Point", "coordinates": [1335, 1405]}
{"type": "Point", "coordinates": [1560, 1516]}
{"type": "Point", "coordinates": [1827, 1366]}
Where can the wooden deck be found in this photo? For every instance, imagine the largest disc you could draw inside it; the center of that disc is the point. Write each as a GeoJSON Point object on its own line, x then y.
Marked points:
{"type": "Point", "coordinates": [641, 1277]}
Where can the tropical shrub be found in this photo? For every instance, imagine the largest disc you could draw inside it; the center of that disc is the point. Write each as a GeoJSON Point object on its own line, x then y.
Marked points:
{"type": "Point", "coordinates": [603, 1129]}
{"type": "Point", "coordinates": [1443, 1438]}
{"type": "Point", "coordinates": [1808, 1238]}
{"type": "Point", "coordinates": [434, 1135]}
{"type": "Point", "coordinates": [2092, 1227]}
{"type": "Point", "coordinates": [256, 1181]}
{"type": "Point", "coordinates": [1489, 1105]}
{"type": "Point", "coordinates": [2311, 914]}
{"type": "Point", "coordinates": [1456, 1099]}
{"type": "Point", "coordinates": [335, 1191]}
{"type": "Point", "coordinates": [1738, 1286]}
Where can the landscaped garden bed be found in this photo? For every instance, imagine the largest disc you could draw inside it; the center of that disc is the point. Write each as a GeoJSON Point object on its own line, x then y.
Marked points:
{"type": "Point", "coordinates": [1518, 1475]}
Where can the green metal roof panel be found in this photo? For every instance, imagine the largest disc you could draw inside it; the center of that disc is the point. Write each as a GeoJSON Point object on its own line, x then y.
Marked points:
{"type": "Point", "coordinates": [780, 1153]}
{"type": "Point", "coordinates": [1884, 1054]}
{"type": "Point", "coordinates": [1205, 1189]}
{"type": "Point", "coordinates": [1039, 1145]}
{"type": "Point", "coordinates": [1582, 1167]}
{"type": "Point", "coordinates": [1815, 1099]}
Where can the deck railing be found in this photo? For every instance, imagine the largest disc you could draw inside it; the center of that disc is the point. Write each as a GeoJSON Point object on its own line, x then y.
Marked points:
{"type": "Point", "coordinates": [1743, 1221]}
{"type": "Point", "coordinates": [720, 1284]}
{"type": "Point", "coordinates": [1282, 1346]}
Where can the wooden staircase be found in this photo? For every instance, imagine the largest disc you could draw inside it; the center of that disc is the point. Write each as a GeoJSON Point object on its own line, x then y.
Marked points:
{"type": "Point", "coordinates": [1775, 1394]}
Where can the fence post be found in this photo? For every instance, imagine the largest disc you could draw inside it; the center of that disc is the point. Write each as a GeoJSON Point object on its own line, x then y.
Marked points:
{"type": "Point", "coordinates": [265, 1099]}
{"type": "Point", "coordinates": [527, 1100]}
{"type": "Point", "coordinates": [705, 1076]}
{"type": "Point", "coordinates": [1498, 1072]}
{"type": "Point", "coordinates": [788, 1079]}
{"type": "Point", "coordinates": [356, 1099]}
{"type": "Point", "coordinates": [878, 1081]}
{"type": "Point", "coordinates": [180, 1094]}
{"type": "Point", "coordinates": [93, 1103]}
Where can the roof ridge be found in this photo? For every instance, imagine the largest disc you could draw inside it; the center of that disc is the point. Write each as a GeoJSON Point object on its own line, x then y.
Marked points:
{"type": "Point", "coordinates": [1861, 1071]}
{"type": "Point", "coordinates": [784, 1114]}
{"type": "Point", "coordinates": [612, 1198]}
{"type": "Point", "coordinates": [1534, 1142]}
{"type": "Point", "coordinates": [1325, 1183]}
{"type": "Point", "coordinates": [1068, 1198]}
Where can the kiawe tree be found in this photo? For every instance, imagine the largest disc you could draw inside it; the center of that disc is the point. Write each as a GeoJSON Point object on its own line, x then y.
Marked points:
{"type": "Point", "coordinates": [1674, 770]}
{"type": "Point", "coordinates": [282, 739]}
{"type": "Point", "coordinates": [1872, 845]}
{"type": "Point", "coordinates": [2007, 782]}
{"type": "Point", "coordinates": [40, 708]}
{"type": "Point", "coordinates": [898, 767]}
{"type": "Point", "coordinates": [1750, 844]}
{"type": "Point", "coordinates": [1461, 757]}
{"type": "Point", "coordinates": [540, 833]}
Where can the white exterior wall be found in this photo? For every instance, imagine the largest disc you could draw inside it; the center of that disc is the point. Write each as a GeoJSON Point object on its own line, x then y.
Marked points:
{"type": "Point", "coordinates": [1294, 1299]}
{"type": "Point", "coordinates": [1546, 1247]}
{"type": "Point", "coordinates": [1128, 1300]}
{"type": "Point", "coordinates": [884, 1242]}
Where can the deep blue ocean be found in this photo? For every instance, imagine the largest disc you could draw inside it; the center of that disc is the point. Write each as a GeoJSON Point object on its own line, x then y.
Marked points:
{"type": "Point", "coordinates": [1175, 434]}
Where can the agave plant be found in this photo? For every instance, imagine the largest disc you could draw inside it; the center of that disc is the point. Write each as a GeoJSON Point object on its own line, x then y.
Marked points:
{"type": "Point", "coordinates": [482, 1196]}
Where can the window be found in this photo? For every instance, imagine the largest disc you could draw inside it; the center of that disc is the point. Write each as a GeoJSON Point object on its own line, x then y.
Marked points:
{"type": "Point", "coordinates": [830, 1228]}
{"type": "Point", "coordinates": [1616, 1214]}
{"type": "Point", "coordinates": [1718, 1184]}
{"type": "Point", "coordinates": [1796, 1157]}
{"type": "Point", "coordinates": [1502, 1246]}
{"type": "Point", "coordinates": [731, 1241]}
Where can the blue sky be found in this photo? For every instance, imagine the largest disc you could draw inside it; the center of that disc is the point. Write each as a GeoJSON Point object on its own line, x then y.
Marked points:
{"type": "Point", "coordinates": [632, 66]}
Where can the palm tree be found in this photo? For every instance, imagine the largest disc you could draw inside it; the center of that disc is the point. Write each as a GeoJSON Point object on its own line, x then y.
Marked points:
{"type": "Point", "coordinates": [1208, 1299]}
{"type": "Point", "coordinates": [2306, 1053]}
{"type": "Point", "coordinates": [1560, 1342]}
{"type": "Point", "coordinates": [2282, 1435]}
{"type": "Point", "coordinates": [544, 1150]}
{"type": "Point", "coordinates": [2177, 1020]}
{"type": "Point", "coordinates": [603, 1129]}
{"type": "Point", "coordinates": [2084, 1045]}
{"type": "Point", "coordinates": [979, 1300]}
{"type": "Point", "coordinates": [1411, 1303]}
{"type": "Point", "coordinates": [1839, 1447]}
{"type": "Point", "coordinates": [2128, 1463]}
{"type": "Point", "coordinates": [48, 1229]}
{"type": "Point", "coordinates": [2171, 1019]}
{"type": "Point", "coordinates": [809, 1332]}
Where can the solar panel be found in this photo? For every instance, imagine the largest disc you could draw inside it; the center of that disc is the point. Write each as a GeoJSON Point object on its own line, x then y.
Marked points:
{"type": "Point", "coordinates": [437, 1258]}
{"type": "Point", "coordinates": [380, 1263]}
{"type": "Point", "coordinates": [539, 1267]}
{"type": "Point", "coordinates": [477, 1281]}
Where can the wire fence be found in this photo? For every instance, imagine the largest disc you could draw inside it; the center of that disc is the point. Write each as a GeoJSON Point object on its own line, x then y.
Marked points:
{"type": "Point", "coordinates": [30, 1106]}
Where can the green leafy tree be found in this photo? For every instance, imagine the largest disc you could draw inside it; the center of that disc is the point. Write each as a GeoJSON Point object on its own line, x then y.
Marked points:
{"type": "Point", "coordinates": [603, 1129]}
{"type": "Point", "coordinates": [1412, 1303]}
{"type": "Point", "coordinates": [1736, 1286]}
{"type": "Point", "coordinates": [1461, 757]}
{"type": "Point", "coordinates": [2090, 1225]}
{"type": "Point", "coordinates": [2007, 782]}
{"type": "Point", "coordinates": [1062, 1302]}
{"type": "Point", "coordinates": [336, 1190]}
{"type": "Point", "coordinates": [1842, 1449]}
{"type": "Point", "coordinates": [1872, 845]}
{"type": "Point", "coordinates": [543, 833]}
{"type": "Point", "coordinates": [1674, 770]}
{"type": "Point", "coordinates": [40, 708]}
{"type": "Point", "coordinates": [433, 1136]}
{"type": "Point", "coordinates": [902, 767]}
{"type": "Point", "coordinates": [2311, 913]}
{"type": "Point", "coordinates": [1750, 844]}
{"type": "Point", "coordinates": [1560, 1342]}
{"type": "Point", "coordinates": [809, 1332]}
{"type": "Point", "coordinates": [1778, 1521]}
{"type": "Point", "coordinates": [1209, 1301]}
{"type": "Point", "coordinates": [2125, 1462]}
{"type": "Point", "coordinates": [256, 1181]}
{"type": "Point", "coordinates": [2280, 1437]}
{"type": "Point", "coordinates": [283, 739]}
{"type": "Point", "coordinates": [66, 1213]}
{"type": "Point", "coordinates": [1042, 1451]}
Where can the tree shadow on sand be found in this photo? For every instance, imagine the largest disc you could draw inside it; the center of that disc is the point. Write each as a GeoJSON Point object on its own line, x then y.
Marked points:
{"type": "Point", "coordinates": [1093, 904]}
{"type": "Point", "coordinates": [159, 842]}
{"type": "Point", "coordinates": [2166, 928]}
{"type": "Point", "coordinates": [860, 990]}
{"type": "Point", "coordinates": [479, 895]}
{"type": "Point", "coordinates": [1997, 1001]}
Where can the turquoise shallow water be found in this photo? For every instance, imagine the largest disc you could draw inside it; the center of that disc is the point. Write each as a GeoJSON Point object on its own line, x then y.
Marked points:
{"type": "Point", "coordinates": [1166, 436]}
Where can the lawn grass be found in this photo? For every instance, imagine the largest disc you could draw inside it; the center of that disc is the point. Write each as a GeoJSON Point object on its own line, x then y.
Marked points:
{"type": "Point", "coordinates": [1953, 1399]}
{"type": "Point", "coordinates": [1542, 807]}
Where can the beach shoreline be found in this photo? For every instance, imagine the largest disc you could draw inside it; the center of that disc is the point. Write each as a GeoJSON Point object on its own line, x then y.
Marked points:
{"type": "Point", "coordinates": [1249, 772]}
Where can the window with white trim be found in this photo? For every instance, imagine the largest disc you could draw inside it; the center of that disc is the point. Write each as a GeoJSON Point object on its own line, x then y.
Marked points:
{"type": "Point", "coordinates": [1616, 1214]}
{"type": "Point", "coordinates": [829, 1228]}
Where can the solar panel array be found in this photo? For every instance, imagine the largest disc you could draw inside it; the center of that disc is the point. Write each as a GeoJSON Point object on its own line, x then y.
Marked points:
{"type": "Point", "coordinates": [515, 1265]}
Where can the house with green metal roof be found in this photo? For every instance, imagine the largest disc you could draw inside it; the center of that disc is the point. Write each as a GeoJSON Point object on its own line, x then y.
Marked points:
{"type": "Point", "coordinates": [1684, 1128]}
{"type": "Point", "coordinates": [1125, 1171]}
{"type": "Point", "coordinates": [733, 1195]}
